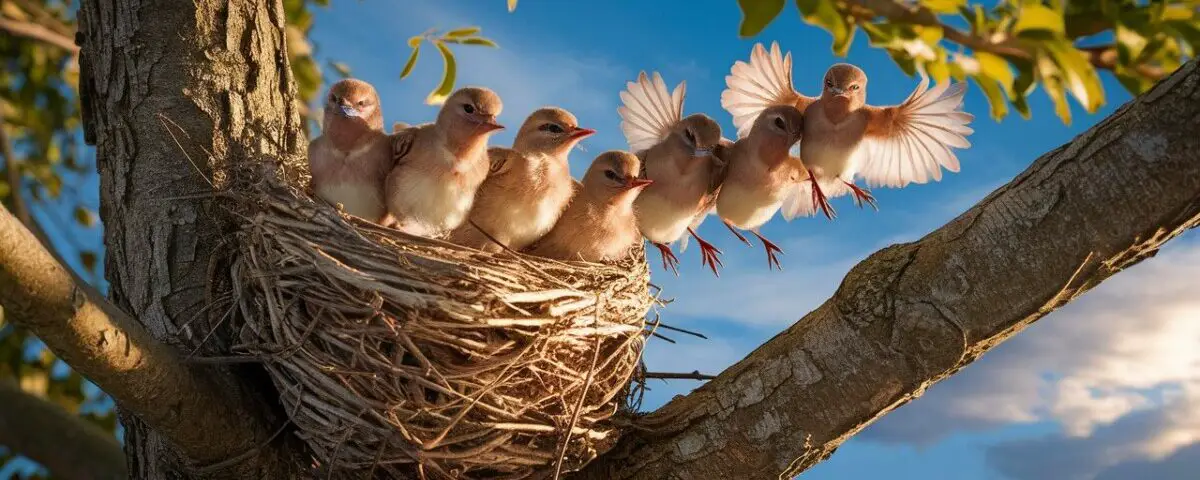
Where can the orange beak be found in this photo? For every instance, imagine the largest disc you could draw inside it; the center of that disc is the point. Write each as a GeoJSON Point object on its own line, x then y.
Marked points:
{"type": "Point", "coordinates": [581, 133]}
{"type": "Point", "coordinates": [635, 182]}
{"type": "Point", "coordinates": [488, 123]}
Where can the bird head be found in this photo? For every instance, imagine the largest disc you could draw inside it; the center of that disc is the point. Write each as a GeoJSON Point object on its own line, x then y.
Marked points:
{"type": "Point", "coordinates": [354, 101]}
{"type": "Point", "coordinates": [699, 133]}
{"type": "Point", "coordinates": [846, 84]}
{"type": "Point", "coordinates": [550, 130]}
{"type": "Point", "coordinates": [471, 111]}
{"type": "Point", "coordinates": [614, 174]}
{"type": "Point", "coordinates": [780, 123]}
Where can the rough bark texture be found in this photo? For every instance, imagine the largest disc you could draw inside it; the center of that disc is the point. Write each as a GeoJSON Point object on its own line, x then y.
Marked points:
{"type": "Point", "coordinates": [65, 444]}
{"type": "Point", "coordinates": [171, 90]}
{"type": "Point", "coordinates": [915, 313]}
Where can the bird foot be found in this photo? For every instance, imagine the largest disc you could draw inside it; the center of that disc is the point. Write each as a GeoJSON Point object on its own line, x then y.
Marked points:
{"type": "Point", "coordinates": [670, 261]}
{"type": "Point", "coordinates": [738, 234]}
{"type": "Point", "coordinates": [709, 254]}
{"type": "Point", "coordinates": [861, 195]}
{"type": "Point", "coordinates": [771, 248]}
{"type": "Point", "coordinates": [819, 199]}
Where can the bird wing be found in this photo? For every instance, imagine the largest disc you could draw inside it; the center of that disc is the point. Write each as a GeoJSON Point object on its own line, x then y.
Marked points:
{"type": "Point", "coordinates": [764, 82]}
{"type": "Point", "coordinates": [911, 142]}
{"type": "Point", "coordinates": [402, 145]}
{"type": "Point", "coordinates": [798, 200]}
{"type": "Point", "coordinates": [715, 180]}
{"type": "Point", "coordinates": [649, 112]}
{"type": "Point", "coordinates": [500, 159]}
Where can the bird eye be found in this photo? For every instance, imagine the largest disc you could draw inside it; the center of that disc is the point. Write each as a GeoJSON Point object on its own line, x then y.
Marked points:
{"type": "Point", "coordinates": [552, 128]}
{"type": "Point", "coordinates": [362, 103]}
{"type": "Point", "coordinates": [829, 84]}
{"type": "Point", "coordinates": [690, 137]}
{"type": "Point", "coordinates": [779, 122]}
{"type": "Point", "coordinates": [611, 175]}
{"type": "Point", "coordinates": [333, 98]}
{"type": "Point", "coordinates": [468, 108]}
{"type": "Point", "coordinates": [854, 87]}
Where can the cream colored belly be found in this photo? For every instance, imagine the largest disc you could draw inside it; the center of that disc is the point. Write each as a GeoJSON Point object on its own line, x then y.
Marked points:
{"type": "Point", "coordinates": [356, 199]}
{"type": "Point", "coordinates": [662, 220]}
{"type": "Point", "coordinates": [747, 208]}
{"type": "Point", "coordinates": [430, 206]}
{"type": "Point", "coordinates": [525, 223]}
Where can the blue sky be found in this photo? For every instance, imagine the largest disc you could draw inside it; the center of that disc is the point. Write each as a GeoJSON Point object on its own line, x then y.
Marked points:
{"type": "Point", "coordinates": [1103, 388]}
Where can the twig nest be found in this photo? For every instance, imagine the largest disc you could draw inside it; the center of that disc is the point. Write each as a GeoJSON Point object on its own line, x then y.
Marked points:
{"type": "Point", "coordinates": [391, 351]}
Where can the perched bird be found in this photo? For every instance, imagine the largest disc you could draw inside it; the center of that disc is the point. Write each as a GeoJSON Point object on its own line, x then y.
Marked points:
{"type": "Point", "coordinates": [843, 136]}
{"type": "Point", "coordinates": [528, 185]}
{"type": "Point", "coordinates": [677, 154]}
{"type": "Point", "coordinates": [351, 157]}
{"type": "Point", "coordinates": [760, 174]}
{"type": "Point", "coordinates": [439, 165]}
{"type": "Point", "coordinates": [599, 224]}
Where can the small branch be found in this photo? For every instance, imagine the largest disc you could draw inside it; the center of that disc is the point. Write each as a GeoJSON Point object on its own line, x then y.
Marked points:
{"type": "Point", "coordinates": [66, 445]}
{"type": "Point", "coordinates": [185, 403]}
{"type": "Point", "coordinates": [12, 171]}
{"type": "Point", "coordinates": [1105, 57]}
{"type": "Point", "coordinates": [917, 15]}
{"type": "Point", "coordinates": [695, 375]}
{"type": "Point", "coordinates": [39, 33]}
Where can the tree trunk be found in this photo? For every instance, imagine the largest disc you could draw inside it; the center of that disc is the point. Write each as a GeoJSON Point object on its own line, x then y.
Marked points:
{"type": "Point", "coordinates": [172, 90]}
{"type": "Point", "coordinates": [913, 314]}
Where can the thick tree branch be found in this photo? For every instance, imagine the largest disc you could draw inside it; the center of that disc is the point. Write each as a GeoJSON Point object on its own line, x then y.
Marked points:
{"type": "Point", "coordinates": [63, 443]}
{"type": "Point", "coordinates": [913, 314]}
{"type": "Point", "coordinates": [112, 350]}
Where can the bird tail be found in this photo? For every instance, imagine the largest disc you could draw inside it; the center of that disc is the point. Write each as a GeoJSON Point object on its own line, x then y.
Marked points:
{"type": "Point", "coordinates": [752, 87]}
{"type": "Point", "coordinates": [649, 111]}
{"type": "Point", "coordinates": [799, 199]}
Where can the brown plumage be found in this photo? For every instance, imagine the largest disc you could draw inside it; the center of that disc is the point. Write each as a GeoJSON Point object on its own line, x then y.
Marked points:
{"type": "Point", "coordinates": [599, 224]}
{"type": "Point", "coordinates": [760, 174]}
{"type": "Point", "coordinates": [528, 186]}
{"type": "Point", "coordinates": [351, 157]}
{"type": "Point", "coordinates": [439, 166]}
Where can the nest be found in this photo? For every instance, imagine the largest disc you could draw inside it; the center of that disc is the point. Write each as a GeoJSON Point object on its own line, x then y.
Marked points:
{"type": "Point", "coordinates": [395, 354]}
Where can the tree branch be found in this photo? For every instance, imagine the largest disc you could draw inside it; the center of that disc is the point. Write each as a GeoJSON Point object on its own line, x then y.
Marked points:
{"type": "Point", "coordinates": [38, 33]}
{"type": "Point", "coordinates": [913, 314]}
{"type": "Point", "coordinates": [1105, 57]}
{"type": "Point", "coordinates": [115, 352]}
{"type": "Point", "coordinates": [65, 444]}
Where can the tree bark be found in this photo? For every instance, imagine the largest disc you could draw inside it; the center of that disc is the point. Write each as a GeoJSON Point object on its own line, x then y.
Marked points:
{"type": "Point", "coordinates": [171, 91]}
{"type": "Point", "coordinates": [913, 314]}
{"type": "Point", "coordinates": [65, 444]}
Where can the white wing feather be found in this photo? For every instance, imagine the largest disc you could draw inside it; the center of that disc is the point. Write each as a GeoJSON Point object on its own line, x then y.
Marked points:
{"type": "Point", "coordinates": [754, 86]}
{"type": "Point", "coordinates": [920, 145]}
{"type": "Point", "coordinates": [649, 112]}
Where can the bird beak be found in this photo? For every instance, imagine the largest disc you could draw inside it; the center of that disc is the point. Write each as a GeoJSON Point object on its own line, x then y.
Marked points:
{"type": "Point", "coordinates": [488, 123]}
{"type": "Point", "coordinates": [635, 182]}
{"type": "Point", "coordinates": [581, 133]}
{"type": "Point", "coordinates": [348, 111]}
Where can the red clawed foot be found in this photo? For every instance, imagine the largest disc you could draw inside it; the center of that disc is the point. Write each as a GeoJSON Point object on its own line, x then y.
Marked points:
{"type": "Point", "coordinates": [738, 234]}
{"type": "Point", "coordinates": [670, 261]}
{"type": "Point", "coordinates": [819, 199]}
{"type": "Point", "coordinates": [861, 195]}
{"type": "Point", "coordinates": [771, 248]}
{"type": "Point", "coordinates": [709, 255]}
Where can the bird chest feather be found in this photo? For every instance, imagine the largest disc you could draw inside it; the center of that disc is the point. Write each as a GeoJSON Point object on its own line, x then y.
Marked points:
{"type": "Point", "coordinates": [827, 147]}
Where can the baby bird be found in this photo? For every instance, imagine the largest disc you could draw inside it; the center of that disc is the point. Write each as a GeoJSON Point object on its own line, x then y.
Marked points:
{"type": "Point", "coordinates": [439, 165]}
{"type": "Point", "coordinates": [528, 185]}
{"type": "Point", "coordinates": [351, 157]}
{"type": "Point", "coordinates": [760, 174]}
{"type": "Point", "coordinates": [599, 224]}
{"type": "Point", "coordinates": [888, 146]}
{"type": "Point", "coordinates": [677, 154]}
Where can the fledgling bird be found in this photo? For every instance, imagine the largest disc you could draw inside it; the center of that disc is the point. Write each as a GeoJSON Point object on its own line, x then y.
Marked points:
{"type": "Point", "coordinates": [528, 185]}
{"type": "Point", "coordinates": [350, 159]}
{"type": "Point", "coordinates": [677, 154]}
{"type": "Point", "coordinates": [844, 137]}
{"type": "Point", "coordinates": [599, 224]}
{"type": "Point", "coordinates": [439, 165]}
{"type": "Point", "coordinates": [760, 174]}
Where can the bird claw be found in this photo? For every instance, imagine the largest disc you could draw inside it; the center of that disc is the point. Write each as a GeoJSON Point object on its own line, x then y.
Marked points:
{"type": "Point", "coordinates": [709, 254]}
{"type": "Point", "coordinates": [670, 261]}
{"type": "Point", "coordinates": [738, 234]}
{"type": "Point", "coordinates": [820, 200]}
{"type": "Point", "coordinates": [862, 195]}
{"type": "Point", "coordinates": [771, 248]}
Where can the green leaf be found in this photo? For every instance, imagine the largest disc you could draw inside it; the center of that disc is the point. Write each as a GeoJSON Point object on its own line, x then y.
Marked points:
{"type": "Point", "coordinates": [1078, 74]}
{"type": "Point", "coordinates": [84, 217]}
{"type": "Point", "coordinates": [512, 5]}
{"type": "Point", "coordinates": [996, 68]}
{"type": "Point", "coordinates": [479, 41]}
{"type": "Point", "coordinates": [462, 32]}
{"type": "Point", "coordinates": [1054, 89]}
{"type": "Point", "coordinates": [938, 68]}
{"type": "Point", "coordinates": [999, 107]}
{"type": "Point", "coordinates": [412, 62]}
{"type": "Point", "coordinates": [439, 94]}
{"type": "Point", "coordinates": [943, 6]}
{"type": "Point", "coordinates": [342, 69]}
{"type": "Point", "coordinates": [415, 41]}
{"type": "Point", "coordinates": [841, 47]}
{"type": "Point", "coordinates": [824, 14]}
{"type": "Point", "coordinates": [756, 14]}
{"type": "Point", "coordinates": [88, 259]}
{"type": "Point", "coordinates": [1129, 44]}
{"type": "Point", "coordinates": [1035, 17]}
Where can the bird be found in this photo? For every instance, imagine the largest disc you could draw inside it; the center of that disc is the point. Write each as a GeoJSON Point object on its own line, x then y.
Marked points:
{"type": "Point", "coordinates": [599, 223]}
{"type": "Point", "coordinates": [528, 185]}
{"type": "Point", "coordinates": [677, 154]}
{"type": "Point", "coordinates": [844, 137]}
{"type": "Point", "coordinates": [351, 157]}
{"type": "Point", "coordinates": [438, 166]}
{"type": "Point", "coordinates": [760, 174]}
